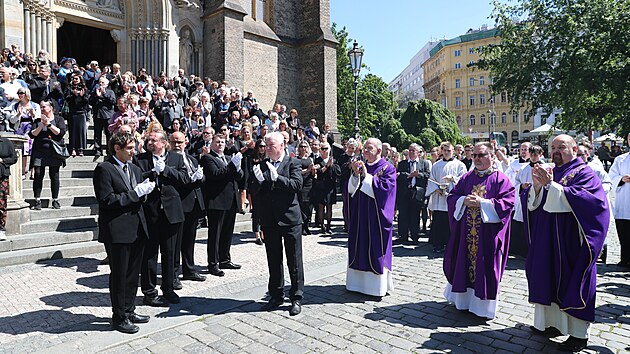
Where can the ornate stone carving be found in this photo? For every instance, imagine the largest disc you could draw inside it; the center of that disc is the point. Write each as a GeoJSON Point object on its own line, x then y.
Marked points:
{"type": "Point", "coordinates": [187, 4]}
{"type": "Point", "coordinates": [117, 34]}
{"type": "Point", "coordinates": [109, 4]}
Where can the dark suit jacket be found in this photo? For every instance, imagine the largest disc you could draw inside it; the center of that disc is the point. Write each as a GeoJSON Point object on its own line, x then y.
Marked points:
{"type": "Point", "coordinates": [221, 187]}
{"type": "Point", "coordinates": [422, 166]}
{"type": "Point", "coordinates": [279, 199]}
{"type": "Point", "coordinates": [191, 192]}
{"type": "Point", "coordinates": [103, 106]}
{"type": "Point", "coordinates": [169, 182]}
{"type": "Point", "coordinates": [120, 211]}
{"type": "Point", "coordinates": [38, 90]}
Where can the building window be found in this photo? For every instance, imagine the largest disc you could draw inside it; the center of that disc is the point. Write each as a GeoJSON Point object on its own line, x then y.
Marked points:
{"type": "Point", "coordinates": [543, 120]}
{"type": "Point", "coordinates": [493, 118]}
{"type": "Point", "coordinates": [503, 97]}
{"type": "Point", "coordinates": [472, 119]}
{"type": "Point", "coordinates": [256, 9]}
{"type": "Point", "coordinates": [458, 52]}
{"type": "Point", "coordinates": [472, 81]}
{"type": "Point", "coordinates": [482, 119]}
{"type": "Point", "coordinates": [472, 100]}
{"type": "Point", "coordinates": [458, 83]}
{"type": "Point", "coordinates": [471, 63]}
{"type": "Point", "coordinates": [444, 102]}
{"type": "Point", "coordinates": [514, 117]}
{"type": "Point", "coordinates": [458, 101]}
{"type": "Point", "coordinates": [503, 118]}
{"type": "Point", "coordinates": [482, 80]}
{"type": "Point", "coordinates": [482, 98]}
{"type": "Point", "coordinates": [471, 50]}
{"type": "Point", "coordinates": [458, 66]}
{"type": "Point", "coordinates": [526, 117]}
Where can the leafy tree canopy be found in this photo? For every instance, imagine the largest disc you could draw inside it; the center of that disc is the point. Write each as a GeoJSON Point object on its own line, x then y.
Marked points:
{"type": "Point", "coordinates": [569, 54]}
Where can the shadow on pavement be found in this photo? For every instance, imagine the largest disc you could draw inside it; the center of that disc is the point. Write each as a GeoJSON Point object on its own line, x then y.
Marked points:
{"type": "Point", "coordinates": [83, 264]}
{"type": "Point", "coordinates": [100, 281]}
{"type": "Point", "coordinates": [52, 321]}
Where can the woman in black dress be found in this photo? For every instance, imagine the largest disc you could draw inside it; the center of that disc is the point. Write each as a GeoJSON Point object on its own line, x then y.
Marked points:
{"type": "Point", "coordinates": [50, 126]}
{"type": "Point", "coordinates": [76, 97]}
{"type": "Point", "coordinates": [246, 145]}
{"type": "Point", "coordinates": [324, 189]}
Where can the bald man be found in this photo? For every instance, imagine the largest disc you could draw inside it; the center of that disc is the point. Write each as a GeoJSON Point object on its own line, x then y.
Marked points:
{"type": "Point", "coordinates": [566, 218]}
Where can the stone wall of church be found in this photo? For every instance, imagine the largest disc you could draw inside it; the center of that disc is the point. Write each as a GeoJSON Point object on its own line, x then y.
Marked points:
{"type": "Point", "coordinates": [261, 70]}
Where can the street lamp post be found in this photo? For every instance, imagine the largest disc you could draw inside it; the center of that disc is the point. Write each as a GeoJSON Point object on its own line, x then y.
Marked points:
{"type": "Point", "coordinates": [356, 55]}
{"type": "Point", "coordinates": [492, 120]}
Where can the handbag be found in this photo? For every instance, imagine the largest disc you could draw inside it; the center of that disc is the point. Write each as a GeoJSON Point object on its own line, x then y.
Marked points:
{"type": "Point", "coordinates": [60, 151]}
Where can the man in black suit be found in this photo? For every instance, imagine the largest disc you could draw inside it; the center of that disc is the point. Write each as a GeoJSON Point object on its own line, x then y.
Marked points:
{"type": "Point", "coordinates": [122, 227]}
{"type": "Point", "coordinates": [221, 189]}
{"type": "Point", "coordinates": [194, 205]}
{"type": "Point", "coordinates": [102, 100]}
{"type": "Point", "coordinates": [411, 185]}
{"type": "Point", "coordinates": [278, 180]}
{"type": "Point", "coordinates": [165, 214]}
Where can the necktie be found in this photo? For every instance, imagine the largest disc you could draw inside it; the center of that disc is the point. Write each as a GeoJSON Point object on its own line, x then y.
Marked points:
{"type": "Point", "coordinates": [223, 159]}
{"type": "Point", "coordinates": [126, 171]}
{"type": "Point", "coordinates": [412, 167]}
{"type": "Point", "coordinates": [187, 163]}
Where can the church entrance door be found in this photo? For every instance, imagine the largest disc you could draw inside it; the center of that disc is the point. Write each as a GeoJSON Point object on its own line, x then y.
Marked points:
{"type": "Point", "coordinates": [85, 43]}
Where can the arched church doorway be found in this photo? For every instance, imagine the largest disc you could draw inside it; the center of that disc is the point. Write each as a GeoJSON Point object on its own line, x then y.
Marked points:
{"type": "Point", "coordinates": [85, 43]}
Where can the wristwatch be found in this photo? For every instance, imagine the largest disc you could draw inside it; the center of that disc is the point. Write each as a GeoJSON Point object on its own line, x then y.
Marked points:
{"type": "Point", "coordinates": [49, 124]}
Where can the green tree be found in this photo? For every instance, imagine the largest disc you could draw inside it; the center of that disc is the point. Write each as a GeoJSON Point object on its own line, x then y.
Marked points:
{"type": "Point", "coordinates": [569, 54]}
{"type": "Point", "coordinates": [424, 122]}
{"type": "Point", "coordinates": [376, 103]}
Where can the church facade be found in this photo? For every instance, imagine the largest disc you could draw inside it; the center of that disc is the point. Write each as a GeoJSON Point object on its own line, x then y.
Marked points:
{"type": "Point", "coordinates": [283, 50]}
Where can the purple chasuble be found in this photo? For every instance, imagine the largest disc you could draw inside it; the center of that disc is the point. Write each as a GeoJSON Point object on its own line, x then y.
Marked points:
{"type": "Point", "coordinates": [560, 268]}
{"type": "Point", "coordinates": [477, 252]}
{"type": "Point", "coordinates": [371, 219]}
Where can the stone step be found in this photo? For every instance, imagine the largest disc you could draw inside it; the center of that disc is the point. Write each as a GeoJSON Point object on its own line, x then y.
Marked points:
{"type": "Point", "coordinates": [64, 191]}
{"type": "Point", "coordinates": [63, 181]}
{"type": "Point", "coordinates": [61, 225]}
{"type": "Point", "coordinates": [64, 213]}
{"type": "Point", "coordinates": [65, 201]}
{"type": "Point", "coordinates": [71, 173]}
{"type": "Point", "coordinates": [47, 239]}
{"type": "Point", "coordinates": [31, 255]}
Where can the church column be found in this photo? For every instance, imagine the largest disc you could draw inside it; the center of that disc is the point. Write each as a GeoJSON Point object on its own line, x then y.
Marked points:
{"type": "Point", "coordinates": [33, 34]}
{"type": "Point", "coordinates": [134, 50]}
{"type": "Point", "coordinates": [43, 34]}
{"type": "Point", "coordinates": [38, 34]}
{"type": "Point", "coordinates": [196, 66]}
{"type": "Point", "coordinates": [49, 36]}
{"type": "Point", "coordinates": [27, 29]}
{"type": "Point", "coordinates": [164, 55]}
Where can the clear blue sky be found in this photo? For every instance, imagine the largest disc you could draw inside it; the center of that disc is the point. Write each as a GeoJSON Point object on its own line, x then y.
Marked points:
{"type": "Point", "coordinates": [391, 32]}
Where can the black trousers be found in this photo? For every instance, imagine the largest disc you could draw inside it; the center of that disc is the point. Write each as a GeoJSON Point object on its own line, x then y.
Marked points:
{"type": "Point", "coordinates": [220, 230]}
{"type": "Point", "coordinates": [162, 238]}
{"type": "Point", "coordinates": [623, 226]}
{"type": "Point", "coordinates": [440, 229]}
{"type": "Point", "coordinates": [519, 244]}
{"type": "Point", "coordinates": [100, 127]}
{"type": "Point", "coordinates": [292, 237]}
{"type": "Point", "coordinates": [409, 218]}
{"type": "Point", "coordinates": [124, 263]}
{"type": "Point", "coordinates": [185, 245]}
{"type": "Point", "coordinates": [307, 211]}
{"type": "Point", "coordinates": [38, 183]}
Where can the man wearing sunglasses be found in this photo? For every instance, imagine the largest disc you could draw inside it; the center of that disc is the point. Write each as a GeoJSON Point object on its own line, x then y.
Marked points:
{"type": "Point", "coordinates": [479, 211]}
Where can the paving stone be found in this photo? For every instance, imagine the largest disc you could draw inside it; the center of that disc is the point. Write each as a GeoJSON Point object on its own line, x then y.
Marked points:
{"type": "Point", "coordinates": [165, 348]}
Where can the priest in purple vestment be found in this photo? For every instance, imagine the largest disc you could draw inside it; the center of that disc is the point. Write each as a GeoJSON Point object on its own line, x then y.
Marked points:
{"type": "Point", "coordinates": [479, 210]}
{"type": "Point", "coordinates": [566, 218]}
{"type": "Point", "coordinates": [372, 195]}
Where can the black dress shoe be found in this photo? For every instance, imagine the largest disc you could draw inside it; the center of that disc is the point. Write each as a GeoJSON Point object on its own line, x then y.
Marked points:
{"type": "Point", "coordinates": [194, 277]}
{"type": "Point", "coordinates": [135, 318]}
{"type": "Point", "coordinates": [216, 271]}
{"type": "Point", "coordinates": [307, 231]}
{"type": "Point", "coordinates": [548, 332]}
{"type": "Point", "coordinates": [177, 285]}
{"type": "Point", "coordinates": [272, 304]}
{"type": "Point", "coordinates": [229, 265]}
{"type": "Point", "coordinates": [126, 327]}
{"type": "Point", "coordinates": [296, 308]}
{"type": "Point", "coordinates": [172, 298]}
{"type": "Point", "coordinates": [155, 301]}
{"type": "Point", "coordinates": [573, 344]}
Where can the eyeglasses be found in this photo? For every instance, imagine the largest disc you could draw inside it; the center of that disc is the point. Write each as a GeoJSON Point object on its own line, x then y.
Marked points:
{"type": "Point", "coordinates": [580, 154]}
{"type": "Point", "coordinates": [196, 115]}
{"type": "Point", "coordinates": [262, 146]}
{"type": "Point", "coordinates": [303, 146]}
{"type": "Point", "coordinates": [467, 150]}
{"type": "Point", "coordinates": [32, 64]}
{"type": "Point", "coordinates": [324, 149]}
{"type": "Point", "coordinates": [482, 155]}
{"type": "Point", "coordinates": [206, 133]}
{"type": "Point", "coordinates": [21, 93]}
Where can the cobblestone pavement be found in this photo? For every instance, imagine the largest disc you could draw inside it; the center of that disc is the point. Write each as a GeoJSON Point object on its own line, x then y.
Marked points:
{"type": "Point", "coordinates": [62, 306]}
